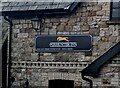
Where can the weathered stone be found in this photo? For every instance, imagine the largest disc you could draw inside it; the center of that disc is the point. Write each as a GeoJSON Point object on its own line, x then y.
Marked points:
{"type": "Point", "coordinates": [96, 40]}
{"type": "Point", "coordinates": [94, 32]}
{"type": "Point", "coordinates": [89, 8]}
{"type": "Point", "coordinates": [16, 30]}
{"type": "Point", "coordinates": [85, 28]}
{"type": "Point", "coordinates": [83, 19]}
{"type": "Point", "coordinates": [47, 20]}
{"type": "Point", "coordinates": [102, 25]}
{"type": "Point", "coordinates": [54, 20]}
{"type": "Point", "coordinates": [105, 39]}
{"type": "Point", "coordinates": [22, 35]}
{"type": "Point", "coordinates": [106, 81]}
{"type": "Point", "coordinates": [22, 30]}
{"type": "Point", "coordinates": [72, 21]}
{"type": "Point", "coordinates": [27, 21]}
{"type": "Point", "coordinates": [101, 13]}
{"type": "Point", "coordinates": [16, 21]}
{"type": "Point", "coordinates": [115, 33]}
{"type": "Point", "coordinates": [92, 3]}
{"type": "Point", "coordinates": [104, 46]}
{"type": "Point", "coordinates": [113, 39]}
{"type": "Point", "coordinates": [25, 25]}
{"type": "Point", "coordinates": [97, 8]}
{"type": "Point", "coordinates": [17, 26]}
{"type": "Point", "coordinates": [107, 7]}
{"type": "Point", "coordinates": [76, 28]}
{"type": "Point", "coordinates": [92, 13]}
{"type": "Point", "coordinates": [85, 4]}
{"type": "Point", "coordinates": [68, 28]}
{"type": "Point", "coordinates": [60, 27]}
{"type": "Point", "coordinates": [22, 21]}
{"type": "Point", "coordinates": [89, 18]}
{"type": "Point", "coordinates": [64, 20]}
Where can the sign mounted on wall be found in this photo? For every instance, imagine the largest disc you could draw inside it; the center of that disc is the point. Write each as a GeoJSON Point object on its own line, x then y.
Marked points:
{"type": "Point", "coordinates": [63, 43]}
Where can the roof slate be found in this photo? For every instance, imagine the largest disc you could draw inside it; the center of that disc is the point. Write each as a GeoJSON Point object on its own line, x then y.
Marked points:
{"type": "Point", "coordinates": [21, 6]}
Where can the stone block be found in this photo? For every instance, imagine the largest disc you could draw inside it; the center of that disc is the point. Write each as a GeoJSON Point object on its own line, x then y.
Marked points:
{"type": "Point", "coordinates": [96, 39]}
{"type": "Point", "coordinates": [22, 35]}
{"type": "Point", "coordinates": [115, 80]}
{"type": "Point", "coordinates": [115, 33]}
{"type": "Point", "coordinates": [16, 21]}
{"type": "Point", "coordinates": [17, 26]}
{"type": "Point", "coordinates": [85, 28]}
{"type": "Point", "coordinates": [16, 30]}
{"type": "Point", "coordinates": [83, 19]}
{"type": "Point", "coordinates": [29, 25]}
{"type": "Point", "coordinates": [107, 7]}
{"type": "Point", "coordinates": [105, 38]}
{"type": "Point", "coordinates": [50, 76]}
{"type": "Point", "coordinates": [97, 83]}
{"type": "Point", "coordinates": [22, 21]}
{"type": "Point", "coordinates": [25, 25]}
{"type": "Point", "coordinates": [61, 28]}
{"type": "Point", "coordinates": [97, 8]}
{"type": "Point", "coordinates": [101, 13]}
{"type": "Point", "coordinates": [83, 9]}
{"type": "Point", "coordinates": [54, 20]}
{"type": "Point", "coordinates": [47, 20]}
{"type": "Point", "coordinates": [113, 39]}
{"type": "Point", "coordinates": [94, 31]}
{"type": "Point", "coordinates": [106, 81]}
{"type": "Point", "coordinates": [92, 13]}
{"type": "Point", "coordinates": [68, 28]}
{"type": "Point", "coordinates": [102, 33]}
{"type": "Point", "coordinates": [89, 8]}
{"type": "Point", "coordinates": [57, 75]}
{"type": "Point", "coordinates": [28, 21]}
{"type": "Point", "coordinates": [52, 31]}
{"type": "Point", "coordinates": [76, 28]}
{"type": "Point", "coordinates": [102, 24]}
{"type": "Point", "coordinates": [64, 20]}
{"type": "Point", "coordinates": [115, 83]}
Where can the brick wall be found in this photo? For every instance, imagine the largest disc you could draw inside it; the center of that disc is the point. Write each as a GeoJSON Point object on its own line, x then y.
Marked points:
{"type": "Point", "coordinates": [88, 18]}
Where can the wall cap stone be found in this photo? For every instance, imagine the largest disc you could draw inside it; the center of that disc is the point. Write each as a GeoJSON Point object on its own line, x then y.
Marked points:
{"type": "Point", "coordinates": [50, 65]}
{"type": "Point", "coordinates": [113, 22]}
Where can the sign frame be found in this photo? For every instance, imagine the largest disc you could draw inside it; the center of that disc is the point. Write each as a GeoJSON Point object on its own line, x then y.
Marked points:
{"type": "Point", "coordinates": [65, 51]}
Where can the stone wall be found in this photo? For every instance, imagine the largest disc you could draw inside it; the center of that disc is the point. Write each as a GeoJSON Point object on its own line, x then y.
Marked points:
{"type": "Point", "coordinates": [88, 18]}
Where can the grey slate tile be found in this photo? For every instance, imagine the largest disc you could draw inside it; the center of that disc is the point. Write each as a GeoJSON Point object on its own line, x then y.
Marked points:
{"type": "Point", "coordinates": [30, 3]}
{"type": "Point", "coordinates": [41, 7]}
{"type": "Point", "coordinates": [13, 4]}
{"type": "Point", "coordinates": [55, 5]}
{"type": "Point", "coordinates": [15, 8]}
{"type": "Point", "coordinates": [61, 5]}
{"type": "Point", "coordinates": [7, 8]}
{"type": "Point", "coordinates": [5, 3]}
{"type": "Point", "coordinates": [38, 3]}
{"type": "Point", "coordinates": [52, 7]}
{"type": "Point", "coordinates": [21, 3]}
{"type": "Point", "coordinates": [32, 7]}
{"type": "Point", "coordinates": [24, 8]}
{"type": "Point", "coordinates": [18, 6]}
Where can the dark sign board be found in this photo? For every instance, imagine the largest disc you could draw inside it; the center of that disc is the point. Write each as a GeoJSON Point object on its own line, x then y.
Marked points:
{"type": "Point", "coordinates": [63, 43]}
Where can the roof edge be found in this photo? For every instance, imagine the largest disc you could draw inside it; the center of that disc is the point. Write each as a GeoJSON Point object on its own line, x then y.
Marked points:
{"type": "Point", "coordinates": [94, 68]}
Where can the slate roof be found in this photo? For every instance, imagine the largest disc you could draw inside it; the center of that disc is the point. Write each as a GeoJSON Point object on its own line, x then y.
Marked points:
{"type": "Point", "coordinates": [22, 6]}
